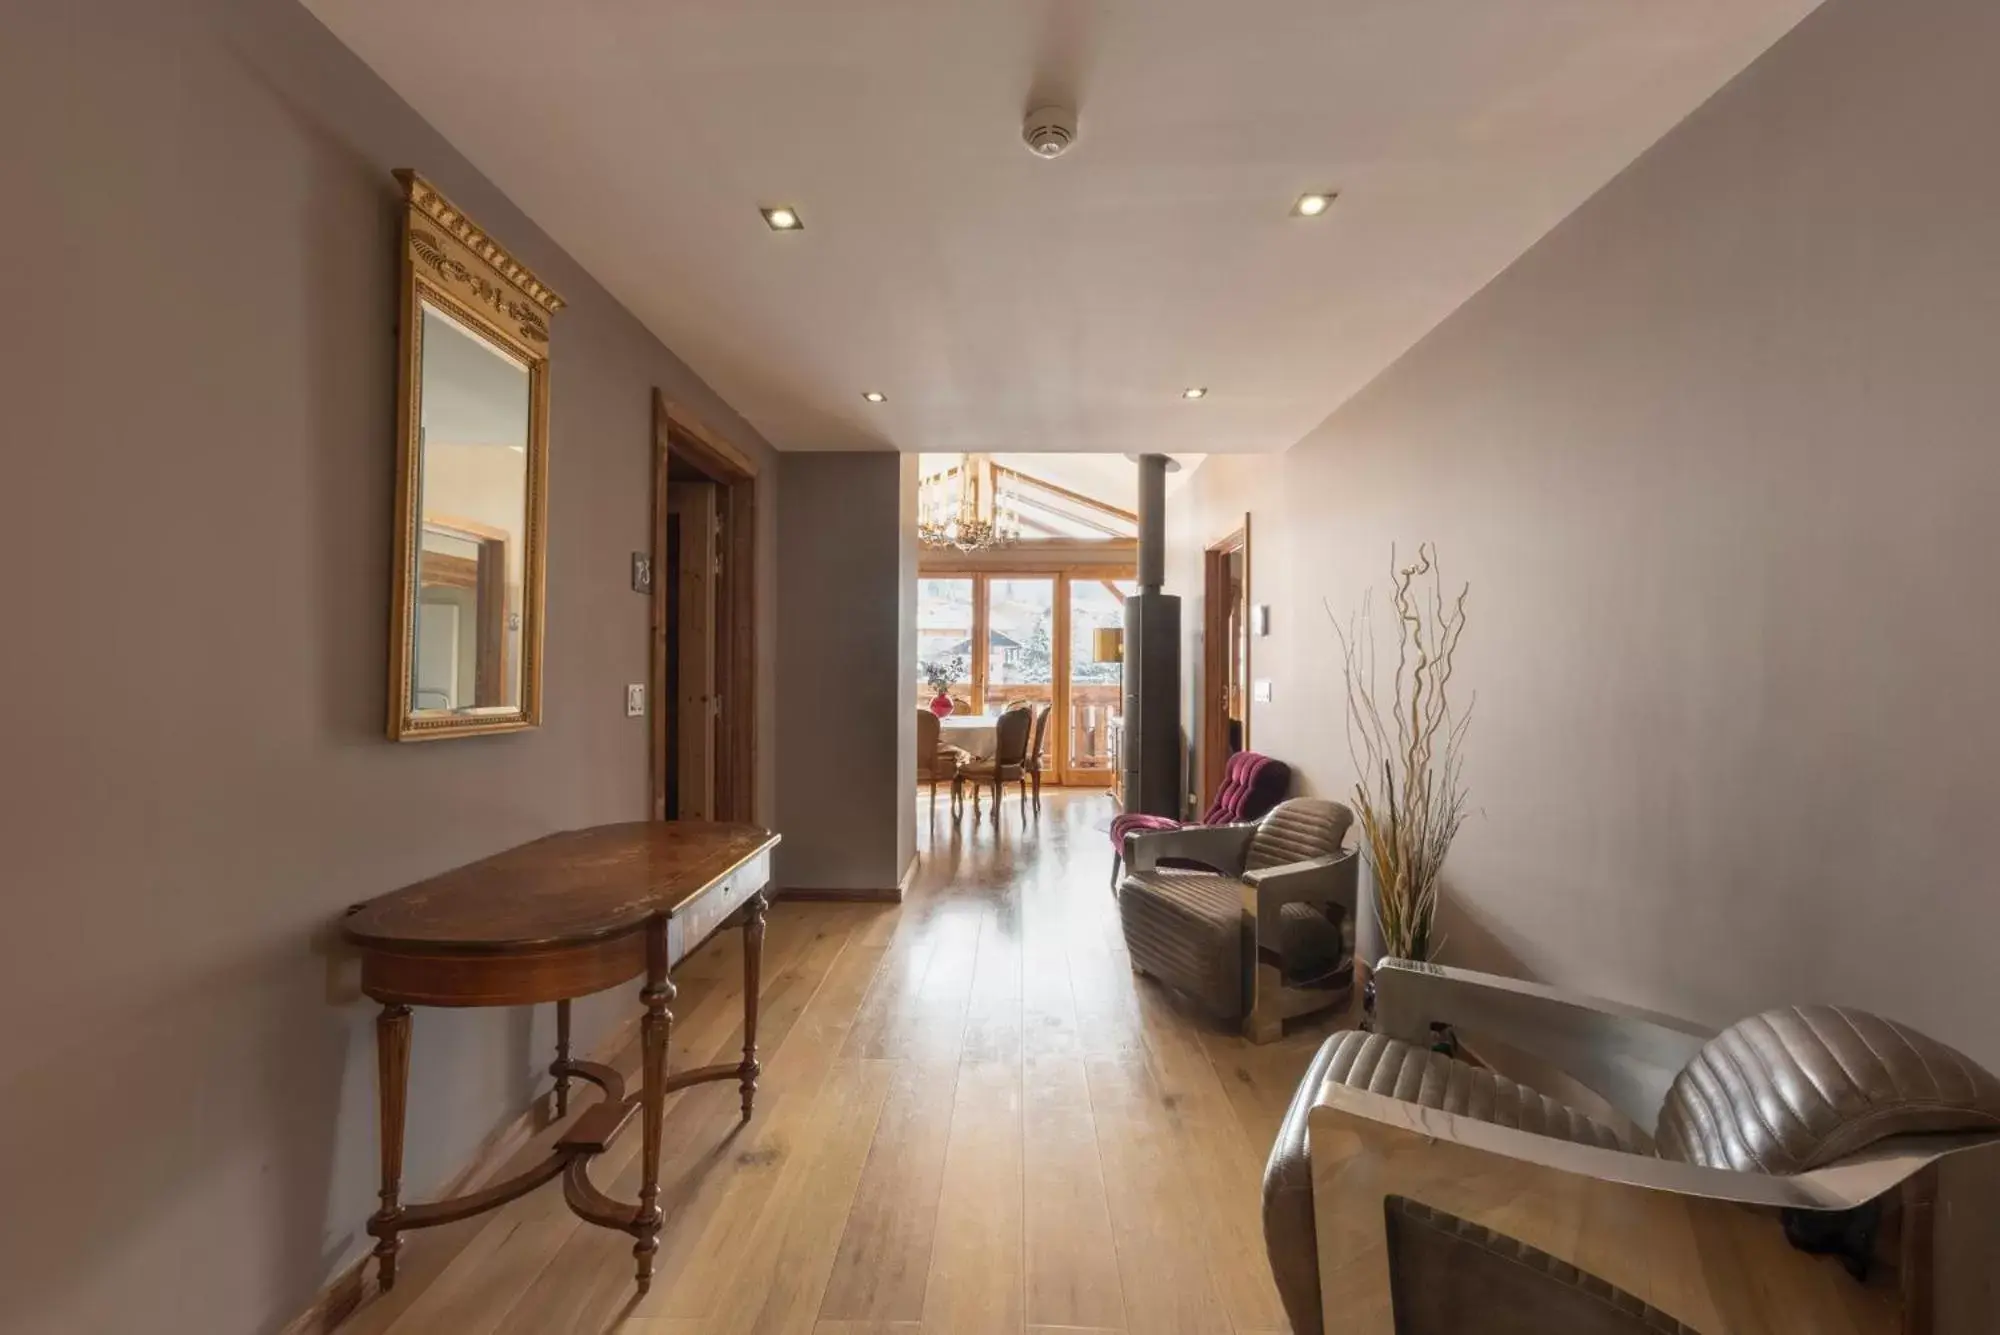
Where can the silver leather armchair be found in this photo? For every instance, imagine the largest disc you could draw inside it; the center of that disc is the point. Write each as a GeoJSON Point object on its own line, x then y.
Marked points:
{"type": "Point", "coordinates": [1812, 1169]}
{"type": "Point", "coordinates": [1262, 930]}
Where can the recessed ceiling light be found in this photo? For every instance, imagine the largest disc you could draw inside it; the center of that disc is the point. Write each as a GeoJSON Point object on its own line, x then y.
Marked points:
{"type": "Point", "coordinates": [1313, 204]}
{"type": "Point", "coordinates": [783, 219]}
{"type": "Point", "coordinates": [1195, 392]}
{"type": "Point", "coordinates": [875, 396]}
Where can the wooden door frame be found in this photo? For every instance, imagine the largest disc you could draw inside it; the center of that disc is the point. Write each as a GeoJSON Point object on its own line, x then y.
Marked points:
{"type": "Point", "coordinates": [1215, 646]}
{"type": "Point", "coordinates": [677, 433]}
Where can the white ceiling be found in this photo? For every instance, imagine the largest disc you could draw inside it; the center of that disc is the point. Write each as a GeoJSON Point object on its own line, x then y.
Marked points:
{"type": "Point", "coordinates": [1008, 303]}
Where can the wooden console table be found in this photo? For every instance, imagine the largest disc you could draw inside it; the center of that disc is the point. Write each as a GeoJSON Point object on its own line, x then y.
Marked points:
{"type": "Point", "coordinates": [559, 918]}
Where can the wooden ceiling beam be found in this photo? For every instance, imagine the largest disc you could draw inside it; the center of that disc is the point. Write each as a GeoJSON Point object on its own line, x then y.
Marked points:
{"type": "Point", "coordinates": [1091, 502]}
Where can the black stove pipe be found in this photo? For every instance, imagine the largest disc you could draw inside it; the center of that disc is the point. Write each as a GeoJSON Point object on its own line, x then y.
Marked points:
{"type": "Point", "coordinates": [1151, 760]}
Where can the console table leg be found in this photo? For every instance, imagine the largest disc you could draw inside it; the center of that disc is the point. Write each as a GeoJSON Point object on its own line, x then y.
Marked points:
{"type": "Point", "coordinates": [392, 1060]}
{"type": "Point", "coordinates": [561, 1067]}
{"type": "Point", "coordinates": [753, 967]}
{"type": "Point", "coordinates": [654, 1030]}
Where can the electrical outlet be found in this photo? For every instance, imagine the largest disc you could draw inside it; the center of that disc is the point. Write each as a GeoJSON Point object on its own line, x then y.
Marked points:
{"type": "Point", "coordinates": [635, 700]}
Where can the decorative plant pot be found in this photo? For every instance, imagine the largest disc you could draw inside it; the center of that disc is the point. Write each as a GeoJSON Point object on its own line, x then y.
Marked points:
{"type": "Point", "coordinates": [1444, 1038]}
{"type": "Point", "coordinates": [1367, 926]}
{"type": "Point", "coordinates": [941, 706]}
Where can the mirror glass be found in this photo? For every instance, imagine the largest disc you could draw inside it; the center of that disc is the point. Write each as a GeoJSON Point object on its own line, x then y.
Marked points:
{"type": "Point", "coordinates": [472, 522]}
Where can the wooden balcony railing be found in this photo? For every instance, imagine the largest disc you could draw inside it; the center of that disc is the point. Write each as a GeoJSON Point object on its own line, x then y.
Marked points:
{"type": "Point", "coordinates": [1092, 707]}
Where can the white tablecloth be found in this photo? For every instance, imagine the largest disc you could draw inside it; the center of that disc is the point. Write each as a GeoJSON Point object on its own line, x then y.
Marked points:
{"type": "Point", "coordinates": [969, 732]}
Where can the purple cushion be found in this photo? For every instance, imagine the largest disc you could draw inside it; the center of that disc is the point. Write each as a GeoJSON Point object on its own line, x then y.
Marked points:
{"type": "Point", "coordinates": [1133, 822]}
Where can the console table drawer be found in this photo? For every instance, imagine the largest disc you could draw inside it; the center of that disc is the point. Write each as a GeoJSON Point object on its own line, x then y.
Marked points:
{"type": "Point", "coordinates": [698, 919]}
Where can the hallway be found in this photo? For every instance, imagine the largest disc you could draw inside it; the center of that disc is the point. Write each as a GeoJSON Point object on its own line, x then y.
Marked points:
{"type": "Point", "coordinates": [973, 1118]}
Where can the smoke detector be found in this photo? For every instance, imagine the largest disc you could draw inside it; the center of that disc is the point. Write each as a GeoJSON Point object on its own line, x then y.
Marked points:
{"type": "Point", "coordinates": [1049, 131]}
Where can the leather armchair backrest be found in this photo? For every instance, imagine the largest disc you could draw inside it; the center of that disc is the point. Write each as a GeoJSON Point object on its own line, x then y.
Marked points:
{"type": "Point", "coordinates": [1294, 831]}
{"type": "Point", "coordinates": [1251, 785]}
{"type": "Point", "coordinates": [1268, 787]}
{"type": "Point", "coordinates": [1797, 1088]}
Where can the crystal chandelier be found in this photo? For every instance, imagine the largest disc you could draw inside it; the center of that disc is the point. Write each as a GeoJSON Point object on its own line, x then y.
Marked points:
{"type": "Point", "coordinates": [961, 521]}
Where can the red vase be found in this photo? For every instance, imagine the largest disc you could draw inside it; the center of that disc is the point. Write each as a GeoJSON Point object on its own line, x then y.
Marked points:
{"type": "Point", "coordinates": [942, 705]}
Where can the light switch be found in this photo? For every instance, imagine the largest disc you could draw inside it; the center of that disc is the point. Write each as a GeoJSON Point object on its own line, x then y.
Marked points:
{"type": "Point", "coordinates": [642, 573]}
{"type": "Point", "coordinates": [635, 700]}
{"type": "Point", "coordinates": [1260, 691]}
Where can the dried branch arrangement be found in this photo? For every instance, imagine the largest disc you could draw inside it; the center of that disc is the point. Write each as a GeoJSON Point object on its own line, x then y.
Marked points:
{"type": "Point", "coordinates": [1407, 746]}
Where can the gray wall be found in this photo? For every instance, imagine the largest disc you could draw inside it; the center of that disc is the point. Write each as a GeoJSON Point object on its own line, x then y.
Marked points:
{"type": "Point", "coordinates": [846, 569]}
{"type": "Point", "coordinates": [907, 551]}
{"type": "Point", "coordinates": [1718, 458]}
{"type": "Point", "coordinates": [200, 362]}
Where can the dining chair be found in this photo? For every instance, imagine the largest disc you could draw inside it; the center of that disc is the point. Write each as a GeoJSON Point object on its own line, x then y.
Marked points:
{"type": "Point", "coordinates": [1007, 763]}
{"type": "Point", "coordinates": [1036, 745]}
{"type": "Point", "coordinates": [936, 761]}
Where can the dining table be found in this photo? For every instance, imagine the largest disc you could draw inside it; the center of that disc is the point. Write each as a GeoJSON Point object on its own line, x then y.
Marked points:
{"type": "Point", "coordinates": [971, 733]}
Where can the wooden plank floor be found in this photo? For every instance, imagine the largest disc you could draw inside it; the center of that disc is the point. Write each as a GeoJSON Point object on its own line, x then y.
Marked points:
{"type": "Point", "coordinates": [973, 1119]}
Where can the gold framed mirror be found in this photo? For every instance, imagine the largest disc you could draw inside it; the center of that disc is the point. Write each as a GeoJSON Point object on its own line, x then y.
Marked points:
{"type": "Point", "coordinates": [472, 411]}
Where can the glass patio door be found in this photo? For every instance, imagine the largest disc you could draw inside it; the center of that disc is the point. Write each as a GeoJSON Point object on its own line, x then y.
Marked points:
{"type": "Point", "coordinates": [1096, 677]}
{"type": "Point", "coordinates": [1020, 640]}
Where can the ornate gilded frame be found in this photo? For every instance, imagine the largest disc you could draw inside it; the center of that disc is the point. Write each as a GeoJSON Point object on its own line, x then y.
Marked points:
{"type": "Point", "coordinates": [449, 261]}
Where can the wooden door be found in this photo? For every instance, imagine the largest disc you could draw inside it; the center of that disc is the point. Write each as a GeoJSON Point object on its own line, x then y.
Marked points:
{"type": "Point", "coordinates": [692, 529]}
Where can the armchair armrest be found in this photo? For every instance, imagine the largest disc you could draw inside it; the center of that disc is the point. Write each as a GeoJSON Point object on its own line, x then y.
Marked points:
{"type": "Point", "coordinates": [1223, 847]}
{"type": "Point", "coordinates": [1676, 1234]}
{"type": "Point", "coordinates": [1626, 1055]}
{"type": "Point", "coordinates": [1845, 1185]}
{"type": "Point", "coordinates": [1324, 880]}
